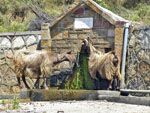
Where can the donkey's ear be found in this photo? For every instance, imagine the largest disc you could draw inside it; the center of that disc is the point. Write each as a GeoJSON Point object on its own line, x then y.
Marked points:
{"type": "Point", "coordinates": [113, 52]}
{"type": "Point", "coordinates": [69, 52]}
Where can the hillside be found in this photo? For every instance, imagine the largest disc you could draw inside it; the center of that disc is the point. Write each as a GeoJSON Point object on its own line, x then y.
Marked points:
{"type": "Point", "coordinates": [23, 15]}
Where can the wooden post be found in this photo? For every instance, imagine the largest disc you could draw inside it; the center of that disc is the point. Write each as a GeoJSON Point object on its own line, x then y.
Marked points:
{"type": "Point", "coordinates": [119, 32]}
{"type": "Point", "coordinates": [45, 37]}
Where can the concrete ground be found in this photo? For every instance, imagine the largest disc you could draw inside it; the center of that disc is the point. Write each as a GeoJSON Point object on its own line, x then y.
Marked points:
{"type": "Point", "coordinates": [77, 107]}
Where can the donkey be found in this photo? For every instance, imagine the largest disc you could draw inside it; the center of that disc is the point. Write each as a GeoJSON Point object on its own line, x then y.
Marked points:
{"type": "Point", "coordinates": [37, 64]}
{"type": "Point", "coordinates": [105, 64]}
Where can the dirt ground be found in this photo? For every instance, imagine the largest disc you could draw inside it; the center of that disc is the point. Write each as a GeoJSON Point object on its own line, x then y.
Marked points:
{"type": "Point", "coordinates": [78, 107]}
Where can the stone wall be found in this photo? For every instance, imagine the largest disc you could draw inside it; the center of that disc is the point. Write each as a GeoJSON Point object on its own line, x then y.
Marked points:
{"type": "Point", "coordinates": [138, 59]}
{"type": "Point", "coordinates": [12, 42]}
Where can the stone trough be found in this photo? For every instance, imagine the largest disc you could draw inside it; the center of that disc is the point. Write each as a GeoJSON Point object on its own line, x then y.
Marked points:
{"type": "Point", "coordinates": [65, 95]}
{"type": "Point", "coordinates": [54, 94]}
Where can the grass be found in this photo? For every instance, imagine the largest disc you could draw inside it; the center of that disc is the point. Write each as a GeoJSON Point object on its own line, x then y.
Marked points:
{"type": "Point", "coordinates": [12, 104]}
{"type": "Point", "coordinates": [140, 13]}
{"type": "Point", "coordinates": [15, 103]}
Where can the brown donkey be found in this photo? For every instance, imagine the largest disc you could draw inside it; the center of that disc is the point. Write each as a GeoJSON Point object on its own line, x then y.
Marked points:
{"type": "Point", "coordinates": [37, 64]}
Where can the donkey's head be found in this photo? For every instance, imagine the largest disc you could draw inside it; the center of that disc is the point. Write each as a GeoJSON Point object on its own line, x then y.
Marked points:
{"type": "Point", "coordinates": [67, 56]}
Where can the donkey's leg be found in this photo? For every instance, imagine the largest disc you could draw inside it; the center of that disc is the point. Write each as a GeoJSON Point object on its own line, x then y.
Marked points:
{"type": "Point", "coordinates": [44, 72]}
{"type": "Point", "coordinates": [36, 84]}
{"type": "Point", "coordinates": [19, 82]}
{"type": "Point", "coordinates": [44, 83]}
{"type": "Point", "coordinates": [114, 83]}
{"type": "Point", "coordinates": [41, 81]}
{"type": "Point", "coordinates": [44, 69]}
{"type": "Point", "coordinates": [118, 84]}
{"type": "Point", "coordinates": [24, 80]}
{"type": "Point", "coordinates": [110, 84]}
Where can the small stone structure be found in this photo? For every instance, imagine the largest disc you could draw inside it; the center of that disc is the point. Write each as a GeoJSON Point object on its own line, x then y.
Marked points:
{"type": "Point", "coordinates": [87, 19]}
{"type": "Point", "coordinates": [138, 59]}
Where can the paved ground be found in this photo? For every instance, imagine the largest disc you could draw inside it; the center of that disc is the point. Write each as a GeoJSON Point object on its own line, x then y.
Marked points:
{"type": "Point", "coordinates": [78, 107]}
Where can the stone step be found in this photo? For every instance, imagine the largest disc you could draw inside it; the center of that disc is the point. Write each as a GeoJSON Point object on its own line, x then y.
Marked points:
{"type": "Point", "coordinates": [126, 99]}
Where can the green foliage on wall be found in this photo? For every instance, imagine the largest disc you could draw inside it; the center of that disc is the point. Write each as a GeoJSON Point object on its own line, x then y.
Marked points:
{"type": "Point", "coordinates": [87, 81]}
{"type": "Point", "coordinates": [81, 78]}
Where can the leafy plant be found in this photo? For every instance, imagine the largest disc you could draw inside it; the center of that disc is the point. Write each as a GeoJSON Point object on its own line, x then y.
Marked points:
{"type": "Point", "coordinates": [102, 3]}
{"type": "Point", "coordinates": [2, 102]}
{"type": "Point", "coordinates": [15, 103]}
{"type": "Point", "coordinates": [81, 78]}
{"type": "Point", "coordinates": [143, 10]}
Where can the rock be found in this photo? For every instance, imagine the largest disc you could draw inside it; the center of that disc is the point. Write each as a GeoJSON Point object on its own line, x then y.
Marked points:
{"type": "Point", "coordinates": [5, 43]}
{"type": "Point", "coordinates": [18, 42]}
{"type": "Point", "coordinates": [15, 89]}
{"type": "Point", "coordinates": [138, 67]}
{"type": "Point", "coordinates": [59, 77]}
{"type": "Point", "coordinates": [132, 41]}
{"type": "Point", "coordinates": [31, 40]}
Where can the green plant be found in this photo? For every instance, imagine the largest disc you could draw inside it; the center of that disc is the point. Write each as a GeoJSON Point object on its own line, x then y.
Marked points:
{"type": "Point", "coordinates": [102, 3]}
{"type": "Point", "coordinates": [15, 103]}
{"type": "Point", "coordinates": [2, 102]}
{"type": "Point", "coordinates": [143, 10]}
{"type": "Point", "coordinates": [81, 78]}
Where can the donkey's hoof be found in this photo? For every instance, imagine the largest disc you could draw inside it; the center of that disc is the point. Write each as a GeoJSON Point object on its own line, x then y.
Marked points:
{"type": "Point", "coordinates": [46, 88]}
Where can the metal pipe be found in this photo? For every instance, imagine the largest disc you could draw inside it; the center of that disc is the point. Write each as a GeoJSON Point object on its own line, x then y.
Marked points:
{"type": "Point", "coordinates": [126, 33]}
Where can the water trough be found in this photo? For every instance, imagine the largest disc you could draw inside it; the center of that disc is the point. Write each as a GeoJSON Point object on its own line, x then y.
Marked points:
{"type": "Point", "coordinates": [65, 95]}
